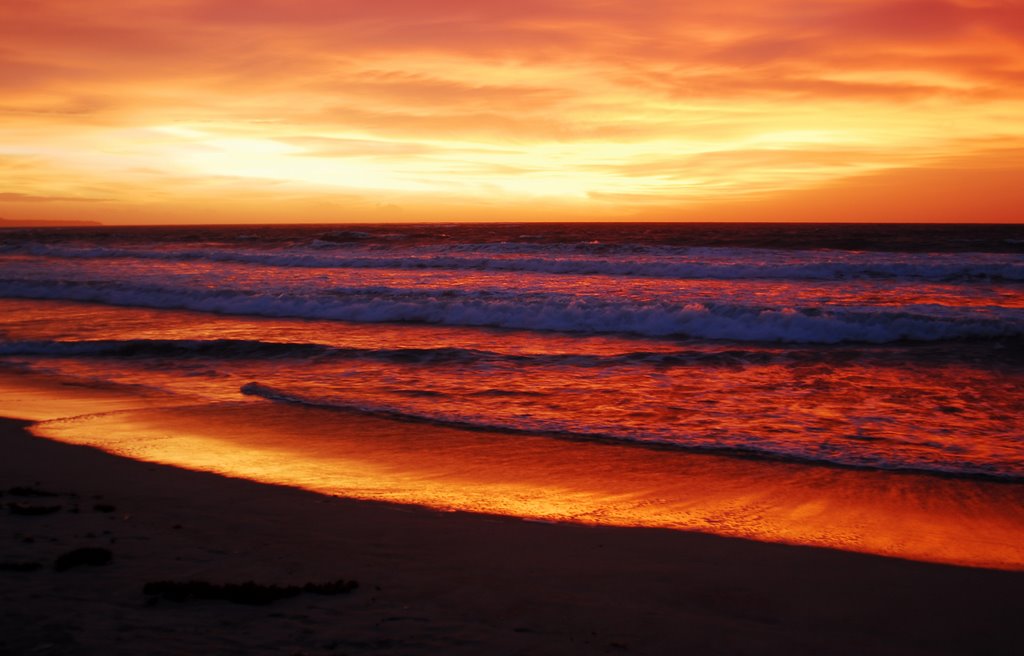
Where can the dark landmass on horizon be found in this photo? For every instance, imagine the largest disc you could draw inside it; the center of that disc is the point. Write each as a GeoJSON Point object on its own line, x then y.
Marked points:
{"type": "Point", "coordinates": [44, 223]}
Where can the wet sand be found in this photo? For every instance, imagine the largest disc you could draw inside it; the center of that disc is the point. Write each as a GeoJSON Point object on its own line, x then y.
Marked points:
{"type": "Point", "coordinates": [970, 522]}
{"type": "Point", "coordinates": [436, 582]}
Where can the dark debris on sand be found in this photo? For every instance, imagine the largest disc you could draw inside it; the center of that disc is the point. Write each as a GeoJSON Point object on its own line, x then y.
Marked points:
{"type": "Point", "coordinates": [29, 491]}
{"type": "Point", "coordinates": [30, 510]}
{"type": "Point", "coordinates": [93, 556]}
{"type": "Point", "coordinates": [241, 593]}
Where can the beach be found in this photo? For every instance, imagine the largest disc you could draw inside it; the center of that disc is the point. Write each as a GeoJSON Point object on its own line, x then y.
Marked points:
{"type": "Point", "coordinates": [512, 329]}
{"type": "Point", "coordinates": [440, 582]}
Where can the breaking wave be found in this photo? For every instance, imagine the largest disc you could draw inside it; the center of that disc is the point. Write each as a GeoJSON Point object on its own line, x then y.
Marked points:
{"type": "Point", "coordinates": [556, 312]}
{"type": "Point", "coordinates": [759, 445]}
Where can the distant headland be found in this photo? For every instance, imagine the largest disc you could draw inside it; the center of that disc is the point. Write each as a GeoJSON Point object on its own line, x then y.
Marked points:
{"type": "Point", "coordinates": [44, 223]}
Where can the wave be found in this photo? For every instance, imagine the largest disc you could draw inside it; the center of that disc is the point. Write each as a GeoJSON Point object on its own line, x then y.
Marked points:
{"type": "Point", "coordinates": [704, 356]}
{"type": "Point", "coordinates": [648, 262]}
{"type": "Point", "coordinates": [236, 348]}
{"type": "Point", "coordinates": [556, 312]}
{"type": "Point", "coordinates": [160, 347]}
{"type": "Point", "coordinates": [242, 348]}
{"type": "Point", "coordinates": [750, 445]}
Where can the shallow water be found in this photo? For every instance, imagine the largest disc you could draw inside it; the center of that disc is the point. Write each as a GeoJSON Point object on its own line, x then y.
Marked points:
{"type": "Point", "coordinates": [918, 516]}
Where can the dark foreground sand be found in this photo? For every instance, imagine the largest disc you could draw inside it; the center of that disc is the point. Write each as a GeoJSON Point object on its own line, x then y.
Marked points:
{"type": "Point", "coordinates": [441, 583]}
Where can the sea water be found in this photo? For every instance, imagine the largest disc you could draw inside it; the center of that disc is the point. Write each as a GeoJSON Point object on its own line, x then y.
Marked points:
{"type": "Point", "coordinates": [855, 387]}
{"type": "Point", "coordinates": [894, 347]}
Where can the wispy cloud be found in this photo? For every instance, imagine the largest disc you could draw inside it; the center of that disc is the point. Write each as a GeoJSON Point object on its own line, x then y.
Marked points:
{"type": "Point", "coordinates": [17, 197]}
{"type": "Point", "coordinates": [546, 109]}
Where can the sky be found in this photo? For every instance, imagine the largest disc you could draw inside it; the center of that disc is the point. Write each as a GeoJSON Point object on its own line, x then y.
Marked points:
{"type": "Point", "coordinates": [166, 111]}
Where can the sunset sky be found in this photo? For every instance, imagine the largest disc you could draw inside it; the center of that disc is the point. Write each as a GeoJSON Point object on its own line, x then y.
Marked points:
{"type": "Point", "coordinates": [156, 111]}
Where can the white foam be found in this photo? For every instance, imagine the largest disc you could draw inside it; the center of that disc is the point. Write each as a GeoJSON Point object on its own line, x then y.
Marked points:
{"type": "Point", "coordinates": [555, 311]}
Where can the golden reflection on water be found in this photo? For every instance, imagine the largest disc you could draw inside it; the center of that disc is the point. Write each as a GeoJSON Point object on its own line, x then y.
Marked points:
{"type": "Point", "coordinates": [967, 522]}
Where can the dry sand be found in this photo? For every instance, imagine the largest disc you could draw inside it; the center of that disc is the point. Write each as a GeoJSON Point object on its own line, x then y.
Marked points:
{"type": "Point", "coordinates": [442, 583]}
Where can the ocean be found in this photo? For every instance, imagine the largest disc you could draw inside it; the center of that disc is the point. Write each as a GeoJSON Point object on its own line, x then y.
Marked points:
{"type": "Point", "coordinates": [875, 348]}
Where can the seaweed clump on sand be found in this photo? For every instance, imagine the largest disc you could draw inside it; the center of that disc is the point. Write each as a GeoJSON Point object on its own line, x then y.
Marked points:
{"type": "Point", "coordinates": [250, 593]}
{"type": "Point", "coordinates": [93, 556]}
{"type": "Point", "coordinates": [30, 510]}
{"type": "Point", "coordinates": [30, 491]}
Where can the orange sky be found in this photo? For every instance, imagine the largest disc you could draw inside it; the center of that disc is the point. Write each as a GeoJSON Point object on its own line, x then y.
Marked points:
{"type": "Point", "coordinates": [155, 111]}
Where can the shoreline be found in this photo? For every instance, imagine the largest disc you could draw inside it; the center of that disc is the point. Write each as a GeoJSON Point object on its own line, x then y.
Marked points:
{"type": "Point", "coordinates": [447, 582]}
{"type": "Point", "coordinates": [963, 522]}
